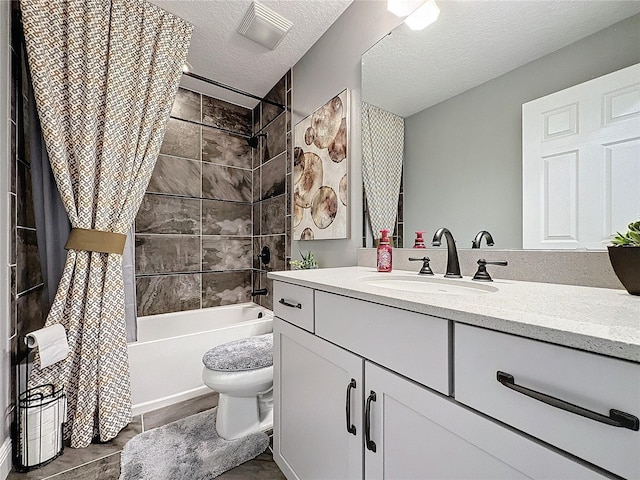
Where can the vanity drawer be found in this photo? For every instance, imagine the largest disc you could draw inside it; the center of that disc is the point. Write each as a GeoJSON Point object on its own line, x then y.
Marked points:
{"type": "Point", "coordinates": [411, 344]}
{"type": "Point", "coordinates": [293, 304]}
{"type": "Point", "coordinates": [586, 380]}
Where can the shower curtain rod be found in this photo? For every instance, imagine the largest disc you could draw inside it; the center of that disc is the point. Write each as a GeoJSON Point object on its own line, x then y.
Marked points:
{"type": "Point", "coordinates": [233, 89]}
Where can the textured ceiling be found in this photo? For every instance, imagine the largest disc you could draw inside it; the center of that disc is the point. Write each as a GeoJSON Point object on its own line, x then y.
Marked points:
{"type": "Point", "coordinates": [473, 42]}
{"type": "Point", "coordinates": [218, 52]}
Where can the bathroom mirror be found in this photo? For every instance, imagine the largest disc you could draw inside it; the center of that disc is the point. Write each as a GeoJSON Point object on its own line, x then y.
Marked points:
{"type": "Point", "coordinates": [460, 85]}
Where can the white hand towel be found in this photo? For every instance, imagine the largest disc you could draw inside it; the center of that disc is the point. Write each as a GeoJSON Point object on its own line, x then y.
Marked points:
{"type": "Point", "coordinates": [51, 342]}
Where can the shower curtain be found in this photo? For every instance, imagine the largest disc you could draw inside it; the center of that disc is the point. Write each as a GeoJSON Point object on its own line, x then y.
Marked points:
{"type": "Point", "coordinates": [382, 154]}
{"type": "Point", "coordinates": [105, 74]}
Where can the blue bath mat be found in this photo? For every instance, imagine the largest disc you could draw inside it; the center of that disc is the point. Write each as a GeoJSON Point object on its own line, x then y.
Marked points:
{"type": "Point", "coordinates": [189, 449]}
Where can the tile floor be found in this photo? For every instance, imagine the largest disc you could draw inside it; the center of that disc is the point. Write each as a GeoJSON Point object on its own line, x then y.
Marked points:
{"type": "Point", "coordinates": [102, 461]}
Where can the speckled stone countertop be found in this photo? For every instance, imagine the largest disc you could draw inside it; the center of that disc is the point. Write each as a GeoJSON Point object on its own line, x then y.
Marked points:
{"type": "Point", "coordinates": [600, 320]}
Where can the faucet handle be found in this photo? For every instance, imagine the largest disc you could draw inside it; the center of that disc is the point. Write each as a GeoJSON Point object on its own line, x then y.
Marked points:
{"type": "Point", "coordinates": [426, 269]}
{"type": "Point", "coordinates": [482, 275]}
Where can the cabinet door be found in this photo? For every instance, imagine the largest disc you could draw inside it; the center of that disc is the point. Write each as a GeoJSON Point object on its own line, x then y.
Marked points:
{"type": "Point", "coordinates": [419, 434]}
{"type": "Point", "coordinates": [311, 381]}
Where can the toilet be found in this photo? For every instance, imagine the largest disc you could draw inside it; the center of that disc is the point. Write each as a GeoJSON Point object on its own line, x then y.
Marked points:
{"type": "Point", "coordinates": [241, 371]}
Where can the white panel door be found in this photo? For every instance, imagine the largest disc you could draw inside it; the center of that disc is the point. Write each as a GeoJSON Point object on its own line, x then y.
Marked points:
{"type": "Point", "coordinates": [581, 163]}
{"type": "Point", "coordinates": [311, 385]}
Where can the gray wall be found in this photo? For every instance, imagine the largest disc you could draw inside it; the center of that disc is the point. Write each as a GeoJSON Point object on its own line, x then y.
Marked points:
{"type": "Point", "coordinates": [329, 67]}
{"type": "Point", "coordinates": [463, 156]}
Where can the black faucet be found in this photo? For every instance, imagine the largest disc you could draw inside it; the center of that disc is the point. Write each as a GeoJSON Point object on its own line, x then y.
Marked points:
{"type": "Point", "coordinates": [453, 265]}
{"type": "Point", "coordinates": [482, 233]}
{"type": "Point", "coordinates": [260, 291]}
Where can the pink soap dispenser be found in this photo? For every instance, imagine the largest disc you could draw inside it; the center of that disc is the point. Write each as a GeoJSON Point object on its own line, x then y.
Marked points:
{"type": "Point", "coordinates": [419, 243]}
{"type": "Point", "coordinates": [385, 252]}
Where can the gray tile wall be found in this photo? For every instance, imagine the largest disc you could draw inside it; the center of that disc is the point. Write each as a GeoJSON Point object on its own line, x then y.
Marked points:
{"type": "Point", "coordinates": [194, 227]}
{"type": "Point", "coordinates": [271, 185]}
{"type": "Point", "coordinates": [27, 310]}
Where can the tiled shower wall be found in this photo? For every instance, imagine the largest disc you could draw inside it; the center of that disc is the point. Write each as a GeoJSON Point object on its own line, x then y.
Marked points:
{"type": "Point", "coordinates": [211, 204]}
{"type": "Point", "coordinates": [27, 307]}
{"type": "Point", "coordinates": [272, 181]}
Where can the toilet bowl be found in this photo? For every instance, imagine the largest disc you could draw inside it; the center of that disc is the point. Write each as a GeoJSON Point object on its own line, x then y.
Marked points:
{"type": "Point", "coordinates": [242, 373]}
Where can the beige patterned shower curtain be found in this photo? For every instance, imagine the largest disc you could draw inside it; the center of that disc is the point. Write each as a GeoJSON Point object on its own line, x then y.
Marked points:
{"type": "Point", "coordinates": [382, 155]}
{"type": "Point", "coordinates": [105, 73]}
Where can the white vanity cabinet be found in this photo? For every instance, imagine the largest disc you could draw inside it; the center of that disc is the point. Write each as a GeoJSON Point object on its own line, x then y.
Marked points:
{"type": "Point", "coordinates": [578, 401]}
{"type": "Point", "coordinates": [312, 381]}
{"type": "Point", "coordinates": [402, 421]}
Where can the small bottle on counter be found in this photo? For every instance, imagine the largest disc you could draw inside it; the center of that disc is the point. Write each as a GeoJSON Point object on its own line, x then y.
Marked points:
{"type": "Point", "coordinates": [385, 252]}
{"type": "Point", "coordinates": [419, 243]}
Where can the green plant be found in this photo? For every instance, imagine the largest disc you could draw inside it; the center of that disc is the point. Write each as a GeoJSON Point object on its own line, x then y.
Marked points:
{"type": "Point", "coordinates": [308, 262]}
{"type": "Point", "coordinates": [632, 237]}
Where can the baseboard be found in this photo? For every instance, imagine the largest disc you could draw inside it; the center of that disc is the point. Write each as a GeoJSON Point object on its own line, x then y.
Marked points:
{"type": "Point", "coordinates": [145, 407]}
{"type": "Point", "coordinates": [5, 459]}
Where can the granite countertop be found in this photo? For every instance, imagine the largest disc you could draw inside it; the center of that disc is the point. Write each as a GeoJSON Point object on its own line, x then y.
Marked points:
{"type": "Point", "coordinates": [600, 320]}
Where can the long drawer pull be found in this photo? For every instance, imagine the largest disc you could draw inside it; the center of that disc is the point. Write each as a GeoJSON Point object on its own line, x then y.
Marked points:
{"type": "Point", "coordinates": [287, 304]}
{"type": "Point", "coordinates": [616, 418]}
{"type": "Point", "coordinates": [371, 445]}
{"type": "Point", "coordinates": [351, 428]}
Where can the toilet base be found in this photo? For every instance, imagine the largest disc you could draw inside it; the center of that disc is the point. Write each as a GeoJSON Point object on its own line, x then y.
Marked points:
{"type": "Point", "coordinates": [239, 416]}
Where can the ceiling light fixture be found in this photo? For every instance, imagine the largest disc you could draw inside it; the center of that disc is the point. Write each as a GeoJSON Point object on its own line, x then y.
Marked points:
{"type": "Point", "coordinates": [264, 26]}
{"type": "Point", "coordinates": [402, 8]}
{"type": "Point", "coordinates": [423, 16]}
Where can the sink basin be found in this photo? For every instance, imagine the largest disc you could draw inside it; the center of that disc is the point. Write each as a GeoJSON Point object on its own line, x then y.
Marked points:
{"type": "Point", "coordinates": [436, 285]}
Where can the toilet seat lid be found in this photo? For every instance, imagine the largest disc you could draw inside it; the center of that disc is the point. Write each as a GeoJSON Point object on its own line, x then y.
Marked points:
{"type": "Point", "coordinates": [239, 355]}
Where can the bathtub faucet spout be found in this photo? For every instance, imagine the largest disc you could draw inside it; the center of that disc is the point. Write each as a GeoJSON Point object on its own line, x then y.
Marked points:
{"type": "Point", "coordinates": [260, 291]}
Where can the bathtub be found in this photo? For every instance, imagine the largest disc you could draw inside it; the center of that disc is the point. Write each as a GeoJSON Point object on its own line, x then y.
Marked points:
{"type": "Point", "coordinates": [166, 361]}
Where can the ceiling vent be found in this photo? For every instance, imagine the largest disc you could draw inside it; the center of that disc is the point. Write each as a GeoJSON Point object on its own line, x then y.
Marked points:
{"type": "Point", "coordinates": [264, 26]}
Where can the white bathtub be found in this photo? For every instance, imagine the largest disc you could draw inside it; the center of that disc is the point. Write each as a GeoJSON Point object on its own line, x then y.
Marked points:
{"type": "Point", "coordinates": [166, 361]}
